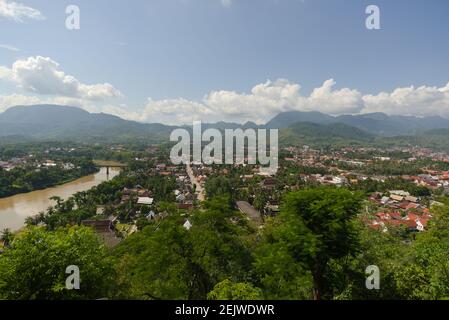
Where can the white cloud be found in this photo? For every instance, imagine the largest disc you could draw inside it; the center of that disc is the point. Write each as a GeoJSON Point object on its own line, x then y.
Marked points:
{"type": "Point", "coordinates": [42, 75]}
{"type": "Point", "coordinates": [265, 101]}
{"type": "Point", "coordinates": [5, 73]}
{"type": "Point", "coordinates": [121, 111]}
{"type": "Point", "coordinates": [174, 111]}
{"type": "Point", "coordinates": [18, 11]}
{"type": "Point", "coordinates": [421, 101]}
{"type": "Point", "coordinates": [9, 47]}
{"type": "Point", "coordinates": [272, 97]}
{"type": "Point", "coordinates": [7, 101]}
{"type": "Point", "coordinates": [327, 100]}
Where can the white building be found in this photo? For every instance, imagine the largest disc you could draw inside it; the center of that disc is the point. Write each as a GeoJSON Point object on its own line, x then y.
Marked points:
{"type": "Point", "coordinates": [145, 201]}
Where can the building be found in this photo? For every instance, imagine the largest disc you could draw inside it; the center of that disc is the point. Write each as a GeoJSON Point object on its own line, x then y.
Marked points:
{"type": "Point", "coordinates": [105, 229]}
{"type": "Point", "coordinates": [248, 210]}
{"type": "Point", "coordinates": [145, 201]}
{"type": "Point", "coordinates": [187, 225]}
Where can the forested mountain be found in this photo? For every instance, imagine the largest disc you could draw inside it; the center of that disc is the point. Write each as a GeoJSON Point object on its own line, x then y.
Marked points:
{"type": "Point", "coordinates": [70, 123]}
{"type": "Point", "coordinates": [52, 122]}
{"type": "Point", "coordinates": [285, 119]}
{"type": "Point", "coordinates": [324, 135]}
{"type": "Point", "coordinates": [374, 123]}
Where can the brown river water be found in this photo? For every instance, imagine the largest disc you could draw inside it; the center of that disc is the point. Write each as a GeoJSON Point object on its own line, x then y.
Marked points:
{"type": "Point", "coordinates": [14, 210]}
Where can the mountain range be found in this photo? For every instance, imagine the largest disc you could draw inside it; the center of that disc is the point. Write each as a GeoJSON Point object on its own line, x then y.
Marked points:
{"type": "Point", "coordinates": [375, 123]}
{"type": "Point", "coordinates": [54, 122]}
{"type": "Point", "coordinates": [48, 122]}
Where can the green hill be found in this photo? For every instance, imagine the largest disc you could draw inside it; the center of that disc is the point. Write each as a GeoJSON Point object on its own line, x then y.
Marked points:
{"type": "Point", "coordinates": [53, 122]}
{"type": "Point", "coordinates": [47, 122]}
{"type": "Point", "coordinates": [374, 123]}
{"type": "Point", "coordinates": [336, 134]}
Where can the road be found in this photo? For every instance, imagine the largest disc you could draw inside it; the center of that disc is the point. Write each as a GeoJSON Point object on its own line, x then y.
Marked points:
{"type": "Point", "coordinates": [199, 189]}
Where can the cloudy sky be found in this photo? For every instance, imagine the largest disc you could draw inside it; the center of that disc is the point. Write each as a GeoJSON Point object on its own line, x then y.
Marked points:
{"type": "Point", "coordinates": [175, 61]}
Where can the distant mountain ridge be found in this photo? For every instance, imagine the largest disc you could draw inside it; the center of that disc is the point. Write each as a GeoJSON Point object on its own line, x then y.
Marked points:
{"type": "Point", "coordinates": [374, 123]}
{"type": "Point", "coordinates": [333, 134]}
{"type": "Point", "coordinates": [54, 122]}
{"type": "Point", "coordinates": [71, 123]}
{"type": "Point", "coordinates": [285, 119]}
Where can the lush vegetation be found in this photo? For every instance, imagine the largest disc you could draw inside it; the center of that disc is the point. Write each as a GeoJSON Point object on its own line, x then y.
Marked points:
{"type": "Point", "coordinates": [315, 248]}
{"type": "Point", "coordinates": [30, 177]}
{"type": "Point", "coordinates": [318, 135]}
{"type": "Point", "coordinates": [34, 265]}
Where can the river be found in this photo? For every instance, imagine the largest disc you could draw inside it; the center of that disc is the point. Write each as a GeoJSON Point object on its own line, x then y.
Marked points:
{"type": "Point", "coordinates": [14, 210]}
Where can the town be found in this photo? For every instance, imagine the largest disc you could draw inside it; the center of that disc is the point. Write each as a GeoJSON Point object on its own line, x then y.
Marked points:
{"type": "Point", "coordinates": [401, 185]}
{"type": "Point", "coordinates": [393, 196]}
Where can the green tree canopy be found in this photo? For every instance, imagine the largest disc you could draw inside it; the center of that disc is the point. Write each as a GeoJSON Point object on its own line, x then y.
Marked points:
{"type": "Point", "coordinates": [34, 267]}
{"type": "Point", "coordinates": [228, 290]}
{"type": "Point", "coordinates": [313, 227]}
{"type": "Point", "coordinates": [167, 261]}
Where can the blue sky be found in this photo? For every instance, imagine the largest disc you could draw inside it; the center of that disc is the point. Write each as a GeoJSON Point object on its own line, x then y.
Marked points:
{"type": "Point", "coordinates": [181, 60]}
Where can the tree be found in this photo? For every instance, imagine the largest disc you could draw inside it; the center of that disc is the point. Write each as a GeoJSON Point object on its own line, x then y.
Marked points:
{"type": "Point", "coordinates": [315, 226]}
{"type": "Point", "coordinates": [426, 275]}
{"type": "Point", "coordinates": [278, 274]}
{"type": "Point", "coordinates": [166, 261]}
{"type": "Point", "coordinates": [228, 290]}
{"type": "Point", "coordinates": [218, 186]}
{"type": "Point", "coordinates": [34, 267]}
{"type": "Point", "coordinates": [157, 263]}
{"type": "Point", "coordinates": [418, 269]}
{"type": "Point", "coordinates": [386, 250]}
{"type": "Point", "coordinates": [217, 243]}
{"type": "Point", "coordinates": [261, 200]}
{"type": "Point", "coordinates": [7, 237]}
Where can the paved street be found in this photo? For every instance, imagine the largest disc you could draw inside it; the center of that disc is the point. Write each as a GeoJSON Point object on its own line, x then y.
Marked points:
{"type": "Point", "coordinates": [199, 190]}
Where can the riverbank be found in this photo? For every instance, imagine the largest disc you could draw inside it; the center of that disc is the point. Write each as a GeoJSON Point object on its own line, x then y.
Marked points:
{"type": "Point", "coordinates": [52, 185]}
{"type": "Point", "coordinates": [35, 175]}
{"type": "Point", "coordinates": [15, 209]}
